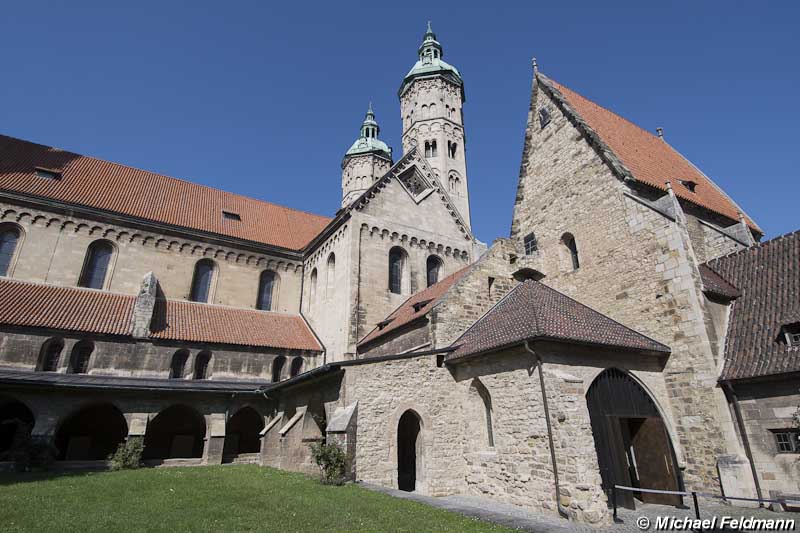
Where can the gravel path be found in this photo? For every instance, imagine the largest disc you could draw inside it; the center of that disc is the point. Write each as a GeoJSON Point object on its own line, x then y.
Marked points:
{"type": "Point", "coordinates": [528, 520]}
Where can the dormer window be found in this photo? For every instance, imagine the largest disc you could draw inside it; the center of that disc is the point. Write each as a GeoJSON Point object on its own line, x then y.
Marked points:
{"type": "Point", "coordinates": [384, 323]}
{"type": "Point", "coordinates": [48, 173]}
{"type": "Point", "coordinates": [791, 334]}
{"type": "Point", "coordinates": [544, 117]}
{"type": "Point", "coordinates": [419, 305]}
{"type": "Point", "coordinates": [229, 215]}
{"type": "Point", "coordinates": [689, 184]}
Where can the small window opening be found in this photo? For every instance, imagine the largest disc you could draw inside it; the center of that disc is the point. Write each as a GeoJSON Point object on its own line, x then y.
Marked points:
{"type": "Point", "coordinates": [791, 334]}
{"type": "Point", "coordinates": [787, 440]}
{"type": "Point", "coordinates": [48, 173]}
{"type": "Point", "coordinates": [228, 215]}
{"type": "Point", "coordinates": [531, 246]}
{"type": "Point", "coordinates": [544, 117]}
{"type": "Point", "coordinates": [491, 284]}
{"type": "Point", "coordinates": [689, 184]}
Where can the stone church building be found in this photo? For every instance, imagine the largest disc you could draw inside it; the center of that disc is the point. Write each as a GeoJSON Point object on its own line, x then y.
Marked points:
{"type": "Point", "coordinates": [630, 329]}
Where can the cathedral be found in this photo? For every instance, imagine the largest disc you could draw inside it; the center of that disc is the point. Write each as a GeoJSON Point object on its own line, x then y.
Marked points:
{"type": "Point", "coordinates": [631, 329]}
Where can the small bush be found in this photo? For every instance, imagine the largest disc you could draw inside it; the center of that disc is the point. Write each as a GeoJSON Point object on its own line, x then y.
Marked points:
{"type": "Point", "coordinates": [330, 459]}
{"type": "Point", "coordinates": [30, 453]}
{"type": "Point", "coordinates": [128, 455]}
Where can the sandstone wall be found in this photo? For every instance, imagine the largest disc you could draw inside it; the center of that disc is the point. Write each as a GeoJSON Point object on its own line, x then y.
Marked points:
{"type": "Point", "coordinates": [54, 250]}
{"type": "Point", "coordinates": [636, 266]}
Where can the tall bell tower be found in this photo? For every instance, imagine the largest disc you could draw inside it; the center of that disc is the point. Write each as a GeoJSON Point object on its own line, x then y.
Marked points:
{"type": "Point", "coordinates": [368, 159]}
{"type": "Point", "coordinates": [431, 101]}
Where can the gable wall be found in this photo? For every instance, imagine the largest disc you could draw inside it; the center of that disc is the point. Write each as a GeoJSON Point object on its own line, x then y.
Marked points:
{"type": "Point", "coordinates": [637, 267]}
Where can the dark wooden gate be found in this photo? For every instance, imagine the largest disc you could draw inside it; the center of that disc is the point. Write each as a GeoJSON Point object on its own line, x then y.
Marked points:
{"type": "Point", "coordinates": [633, 447]}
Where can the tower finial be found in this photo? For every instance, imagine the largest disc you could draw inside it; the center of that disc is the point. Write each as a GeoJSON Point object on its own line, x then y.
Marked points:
{"type": "Point", "coordinates": [660, 133]}
{"type": "Point", "coordinates": [429, 27]}
{"type": "Point", "coordinates": [535, 65]}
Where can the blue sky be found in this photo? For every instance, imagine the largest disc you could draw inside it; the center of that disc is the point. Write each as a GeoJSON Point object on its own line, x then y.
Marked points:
{"type": "Point", "coordinates": [264, 100]}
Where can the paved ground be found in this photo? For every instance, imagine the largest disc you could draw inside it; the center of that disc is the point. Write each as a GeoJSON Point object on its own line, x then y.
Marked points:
{"type": "Point", "coordinates": [528, 520]}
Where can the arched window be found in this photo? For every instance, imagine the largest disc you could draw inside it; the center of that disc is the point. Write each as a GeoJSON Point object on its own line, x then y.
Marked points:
{"type": "Point", "coordinates": [433, 268]}
{"type": "Point", "coordinates": [297, 366]}
{"type": "Point", "coordinates": [454, 184]}
{"type": "Point", "coordinates": [427, 149]}
{"type": "Point", "coordinates": [177, 368]}
{"type": "Point", "coordinates": [312, 293]}
{"type": "Point", "coordinates": [425, 111]}
{"type": "Point", "coordinates": [569, 242]}
{"type": "Point", "coordinates": [397, 264]}
{"type": "Point", "coordinates": [530, 244]}
{"type": "Point", "coordinates": [202, 281]}
{"type": "Point", "coordinates": [79, 360]}
{"type": "Point", "coordinates": [267, 290]}
{"type": "Point", "coordinates": [452, 148]}
{"type": "Point", "coordinates": [330, 276]}
{"type": "Point", "coordinates": [202, 364]}
{"type": "Point", "coordinates": [432, 109]}
{"type": "Point", "coordinates": [96, 265]}
{"type": "Point", "coordinates": [481, 411]}
{"type": "Point", "coordinates": [434, 152]}
{"type": "Point", "coordinates": [9, 237]}
{"type": "Point", "coordinates": [277, 368]}
{"type": "Point", "coordinates": [50, 356]}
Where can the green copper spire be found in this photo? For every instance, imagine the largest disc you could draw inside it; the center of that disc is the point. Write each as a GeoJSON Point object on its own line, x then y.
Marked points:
{"type": "Point", "coordinates": [430, 62]}
{"type": "Point", "coordinates": [368, 141]}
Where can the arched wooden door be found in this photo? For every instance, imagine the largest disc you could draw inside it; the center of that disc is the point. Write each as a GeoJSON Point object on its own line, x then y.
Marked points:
{"type": "Point", "coordinates": [632, 443]}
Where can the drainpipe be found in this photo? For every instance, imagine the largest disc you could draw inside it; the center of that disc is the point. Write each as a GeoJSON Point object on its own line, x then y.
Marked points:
{"type": "Point", "coordinates": [726, 385]}
{"type": "Point", "coordinates": [561, 509]}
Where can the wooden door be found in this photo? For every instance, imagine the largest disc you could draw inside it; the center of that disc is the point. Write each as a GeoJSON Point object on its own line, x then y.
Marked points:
{"type": "Point", "coordinates": [655, 464]}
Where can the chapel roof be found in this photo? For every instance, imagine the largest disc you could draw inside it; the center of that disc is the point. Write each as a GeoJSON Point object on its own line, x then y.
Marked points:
{"type": "Point", "coordinates": [40, 305]}
{"type": "Point", "coordinates": [90, 182]}
{"type": "Point", "coordinates": [648, 158]}
{"type": "Point", "coordinates": [532, 311]}
{"type": "Point", "coordinates": [768, 277]}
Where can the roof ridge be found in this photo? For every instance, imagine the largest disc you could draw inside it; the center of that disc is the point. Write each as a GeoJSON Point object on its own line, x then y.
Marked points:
{"type": "Point", "coordinates": [166, 176]}
{"type": "Point", "coordinates": [224, 306]}
{"type": "Point", "coordinates": [484, 315]}
{"type": "Point", "coordinates": [601, 313]}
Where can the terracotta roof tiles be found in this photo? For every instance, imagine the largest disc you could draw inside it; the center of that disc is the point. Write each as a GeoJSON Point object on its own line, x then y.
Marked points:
{"type": "Point", "coordinates": [534, 311]}
{"type": "Point", "coordinates": [649, 158]}
{"type": "Point", "coordinates": [41, 305]}
{"type": "Point", "coordinates": [768, 277]}
{"type": "Point", "coordinates": [415, 307]}
{"type": "Point", "coordinates": [98, 184]}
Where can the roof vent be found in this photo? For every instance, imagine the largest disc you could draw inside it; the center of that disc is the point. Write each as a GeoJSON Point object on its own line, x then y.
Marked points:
{"type": "Point", "coordinates": [228, 215]}
{"type": "Point", "coordinates": [689, 184]}
{"type": "Point", "coordinates": [382, 324]}
{"type": "Point", "coordinates": [48, 173]}
{"type": "Point", "coordinates": [422, 303]}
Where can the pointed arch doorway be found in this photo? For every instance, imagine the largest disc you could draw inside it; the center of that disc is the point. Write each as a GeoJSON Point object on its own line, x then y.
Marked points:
{"type": "Point", "coordinates": [409, 448]}
{"type": "Point", "coordinates": [632, 442]}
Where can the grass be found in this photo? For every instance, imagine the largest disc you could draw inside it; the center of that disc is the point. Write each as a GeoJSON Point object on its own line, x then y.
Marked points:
{"type": "Point", "coordinates": [214, 498]}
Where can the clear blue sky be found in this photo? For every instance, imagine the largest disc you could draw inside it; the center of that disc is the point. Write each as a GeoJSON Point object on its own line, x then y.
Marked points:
{"type": "Point", "coordinates": [263, 98]}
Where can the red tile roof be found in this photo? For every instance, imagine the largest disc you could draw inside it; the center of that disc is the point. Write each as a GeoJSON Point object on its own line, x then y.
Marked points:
{"type": "Point", "coordinates": [92, 311]}
{"type": "Point", "coordinates": [768, 277]}
{"type": "Point", "coordinates": [715, 284]}
{"type": "Point", "coordinates": [65, 308]}
{"type": "Point", "coordinates": [190, 321]}
{"type": "Point", "coordinates": [120, 189]}
{"type": "Point", "coordinates": [534, 311]}
{"type": "Point", "coordinates": [406, 313]}
{"type": "Point", "coordinates": [650, 160]}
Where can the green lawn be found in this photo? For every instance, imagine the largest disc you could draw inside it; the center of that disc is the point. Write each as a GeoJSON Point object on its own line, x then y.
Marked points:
{"type": "Point", "coordinates": [216, 498]}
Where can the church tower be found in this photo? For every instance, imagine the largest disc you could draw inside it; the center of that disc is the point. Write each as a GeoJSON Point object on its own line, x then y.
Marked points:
{"type": "Point", "coordinates": [367, 160]}
{"type": "Point", "coordinates": [431, 100]}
